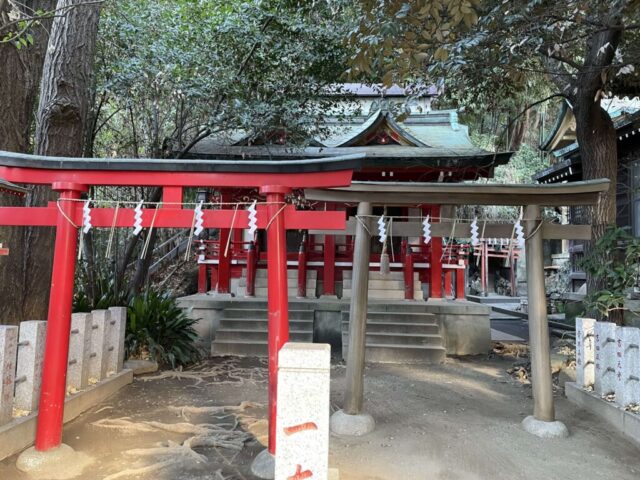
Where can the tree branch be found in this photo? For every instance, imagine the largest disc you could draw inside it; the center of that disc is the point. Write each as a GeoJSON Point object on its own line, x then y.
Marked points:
{"type": "Point", "coordinates": [529, 107]}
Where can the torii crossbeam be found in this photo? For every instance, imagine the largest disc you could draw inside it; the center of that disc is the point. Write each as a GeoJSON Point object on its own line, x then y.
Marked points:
{"type": "Point", "coordinates": [71, 177]}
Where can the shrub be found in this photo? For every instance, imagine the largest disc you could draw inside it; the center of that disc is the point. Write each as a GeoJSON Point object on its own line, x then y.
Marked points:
{"type": "Point", "coordinates": [613, 266]}
{"type": "Point", "coordinates": [159, 330]}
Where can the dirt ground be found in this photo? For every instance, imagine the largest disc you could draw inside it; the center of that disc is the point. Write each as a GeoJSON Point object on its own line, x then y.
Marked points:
{"type": "Point", "coordinates": [457, 421]}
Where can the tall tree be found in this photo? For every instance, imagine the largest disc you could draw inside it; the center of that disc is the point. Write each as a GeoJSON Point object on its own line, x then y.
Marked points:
{"type": "Point", "coordinates": [582, 48]}
{"type": "Point", "coordinates": [64, 101]}
{"type": "Point", "coordinates": [66, 89]}
{"type": "Point", "coordinates": [23, 41]}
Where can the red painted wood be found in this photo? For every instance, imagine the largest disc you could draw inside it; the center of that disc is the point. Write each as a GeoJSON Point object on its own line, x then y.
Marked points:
{"type": "Point", "coordinates": [202, 278]}
{"type": "Point", "coordinates": [408, 274]}
{"type": "Point", "coordinates": [171, 196]}
{"type": "Point", "coordinates": [51, 409]}
{"type": "Point", "coordinates": [329, 274]}
{"type": "Point", "coordinates": [172, 218]}
{"type": "Point", "coordinates": [251, 271]}
{"type": "Point", "coordinates": [447, 283]}
{"type": "Point", "coordinates": [226, 254]}
{"type": "Point", "coordinates": [278, 301]}
{"type": "Point", "coordinates": [460, 284]}
{"type": "Point", "coordinates": [436, 256]}
{"type": "Point", "coordinates": [54, 370]}
{"type": "Point", "coordinates": [302, 272]}
{"type": "Point", "coordinates": [340, 178]}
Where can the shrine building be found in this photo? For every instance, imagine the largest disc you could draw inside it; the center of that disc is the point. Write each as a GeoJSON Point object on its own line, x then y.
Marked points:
{"type": "Point", "coordinates": [402, 139]}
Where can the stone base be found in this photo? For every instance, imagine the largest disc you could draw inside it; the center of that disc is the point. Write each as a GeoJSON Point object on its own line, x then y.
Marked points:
{"type": "Point", "coordinates": [343, 424]}
{"type": "Point", "coordinates": [60, 463]}
{"type": "Point", "coordinates": [218, 295]}
{"type": "Point", "coordinates": [543, 429]}
{"type": "Point", "coordinates": [140, 367]}
{"type": "Point", "coordinates": [626, 423]}
{"type": "Point", "coordinates": [264, 465]}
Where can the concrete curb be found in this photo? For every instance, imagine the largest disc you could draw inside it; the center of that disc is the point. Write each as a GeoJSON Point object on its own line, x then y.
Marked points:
{"type": "Point", "coordinates": [21, 432]}
{"type": "Point", "coordinates": [627, 423]}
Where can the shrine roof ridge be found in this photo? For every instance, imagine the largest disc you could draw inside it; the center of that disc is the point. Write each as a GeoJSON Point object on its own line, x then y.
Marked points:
{"type": "Point", "coordinates": [334, 163]}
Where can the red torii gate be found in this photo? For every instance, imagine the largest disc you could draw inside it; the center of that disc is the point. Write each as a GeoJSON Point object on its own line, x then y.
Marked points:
{"type": "Point", "coordinates": [71, 177]}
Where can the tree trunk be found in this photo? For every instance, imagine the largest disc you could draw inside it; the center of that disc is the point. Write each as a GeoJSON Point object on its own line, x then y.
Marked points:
{"type": "Point", "coordinates": [519, 131]}
{"type": "Point", "coordinates": [65, 96]}
{"type": "Point", "coordinates": [25, 284]}
{"type": "Point", "coordinates": [67, 84]}
{"type": "Point", "coordinates": [596, 134]}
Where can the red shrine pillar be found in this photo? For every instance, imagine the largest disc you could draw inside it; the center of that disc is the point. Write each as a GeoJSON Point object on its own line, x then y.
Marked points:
{"type": "Point", "coordinates": [56, 352]}
{"type": "Point", "coordinates": [448, 277]}
{"type": "Point", "coordinates": [329, 270]}
{"type": "Point", "coordinates": [277, 295]}
{"type": "Point", "coordinates": [329, 259]}
{"type": "Point", "coordinates": [224, 261]}
{"type": "Point", "coordinates": [436, 258]}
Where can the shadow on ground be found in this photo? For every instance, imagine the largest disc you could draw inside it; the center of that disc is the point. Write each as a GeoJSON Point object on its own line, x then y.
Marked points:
{"type": "Point", "coordinates": [457, 421]}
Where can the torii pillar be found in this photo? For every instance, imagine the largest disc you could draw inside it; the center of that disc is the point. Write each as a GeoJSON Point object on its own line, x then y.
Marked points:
{"type": "Point", "coordinates": [48, 443]}
{"type": "Point", "coordinates": [543, 422]}
{"type": "Point", "coordinates": [352, 420]}
{"type": "Point", "coordinates": [263, 465]}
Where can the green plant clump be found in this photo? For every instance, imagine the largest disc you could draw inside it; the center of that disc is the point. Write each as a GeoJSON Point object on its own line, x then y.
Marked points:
{"type": "Point", "coordinates": [157, 329]}
{"type": "Point", "coordinates": [613, 266]}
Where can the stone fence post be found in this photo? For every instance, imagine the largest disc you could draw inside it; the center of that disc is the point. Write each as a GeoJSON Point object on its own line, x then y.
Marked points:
{"type": "Point", "coordinates": [605, 341]}
{"type": "Point", "coordinates": [79, 351]}
{"type": "Point", "coordinates": [585, 352]}
{"type": "Point", "coordinates": [302, 441]}
{"type": "Point", "coordinates": [29, 364]}
{"type": "Point", "coordinates": [627, 366]}
{"type": "Point", "coordinates": [98, 355]}
{"type": "Point", "coordinates": [8, 352]}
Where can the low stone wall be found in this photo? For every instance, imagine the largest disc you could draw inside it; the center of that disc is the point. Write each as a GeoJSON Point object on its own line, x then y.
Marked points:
{"type": "Point", "coordinates": [608, 374]}
{"type": "Point", "coordinates": [96, 356]}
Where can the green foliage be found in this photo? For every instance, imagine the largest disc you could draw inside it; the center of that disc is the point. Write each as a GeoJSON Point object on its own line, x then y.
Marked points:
{"type": "Point", "coordinates": [520, 169]}
{"type": "Point", "coordinates": [169, 71]}
{"type": "Point", "coordinates": [158, 329]}
{"type": "Point", "coordinates": [105, 295]}
{"type": "Point", "coordinates": [496, 45]}
{"type": "Point", "coordinates": [614, 265]}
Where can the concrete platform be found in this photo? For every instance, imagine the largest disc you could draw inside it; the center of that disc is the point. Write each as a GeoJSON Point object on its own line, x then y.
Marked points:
{"type": "Point", "coordinates": [465, 326]}
{"type": "Point", "coordinates": [492, 298]}
{"type": "Point", "coordinates": [627, 423]}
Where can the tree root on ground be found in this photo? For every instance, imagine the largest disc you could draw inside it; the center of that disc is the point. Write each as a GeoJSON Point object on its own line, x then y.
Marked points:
{"type": "Point", "coordinates": [130, 472]}
{"type": "Point", "coordinates": [185, 411]}
{"type": "Point", "coordinates": [225, 373]}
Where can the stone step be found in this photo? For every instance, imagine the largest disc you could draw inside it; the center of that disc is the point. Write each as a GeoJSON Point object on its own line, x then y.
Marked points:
{"type": "Point", "coordinates": [377, 353]}
{"type": "Point", "coordinates": [381, 284]}
{"type": "Point", "coordinates": [291, 282]}
{"type": "Point", "coordinates": [395, 338]}
{"type": "Point", "coordinates": [291, 292]}
{"type": "Point", "coordinates": [240, 348]}
{"type": "Point", "coordinates": [397, 327]}
{"type": "Point", "coordinates": [376, 275]}
{"type": "Point", "coordinates": [249, 334]}
{"type": "Point", "coordinates": [260, 313]}
{"type": "Point", "coordinates": [381, 294]}
{"type": "Point", "coordinates": [402, 317]}
{"type": "Point", "coordinates": [261, 324]}
{"type": "Point", "coordinates": [291, 273]}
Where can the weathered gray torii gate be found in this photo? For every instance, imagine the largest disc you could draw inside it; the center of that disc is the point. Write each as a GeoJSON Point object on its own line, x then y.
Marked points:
{"type": "Point", "coordinates": [352, 420]}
